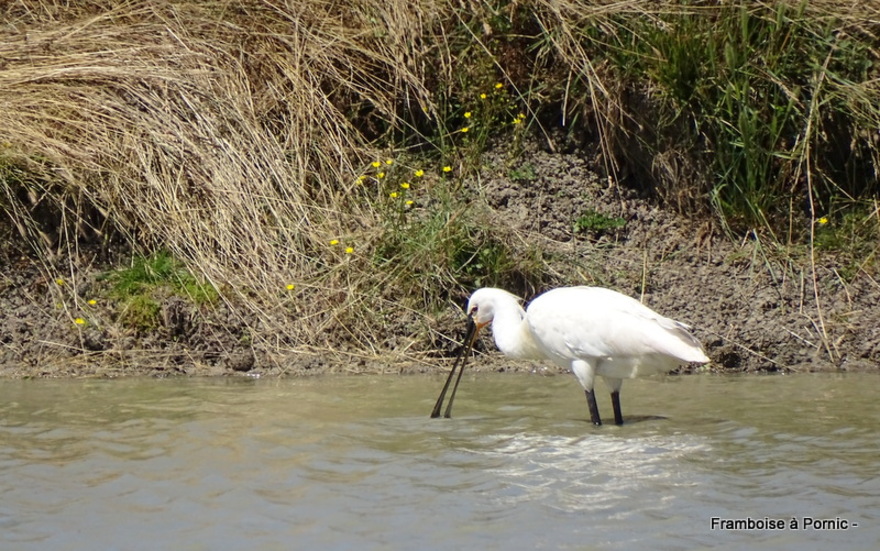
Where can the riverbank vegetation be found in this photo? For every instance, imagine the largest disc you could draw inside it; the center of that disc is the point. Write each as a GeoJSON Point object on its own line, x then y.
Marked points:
{"type": "Point", "coordinates": [314, 169]}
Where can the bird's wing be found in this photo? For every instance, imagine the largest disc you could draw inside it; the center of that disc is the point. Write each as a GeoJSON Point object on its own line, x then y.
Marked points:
{"type": "Point", "coordinates": [596, 322]}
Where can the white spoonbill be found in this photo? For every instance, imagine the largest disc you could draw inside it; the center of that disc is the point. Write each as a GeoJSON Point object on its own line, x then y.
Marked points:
{"type": "Point", "coordinates": [589, 330]}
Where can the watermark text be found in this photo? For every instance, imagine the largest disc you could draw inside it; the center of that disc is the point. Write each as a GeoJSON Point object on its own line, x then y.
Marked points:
{"type": "Point", "coordinates": [793, 523]}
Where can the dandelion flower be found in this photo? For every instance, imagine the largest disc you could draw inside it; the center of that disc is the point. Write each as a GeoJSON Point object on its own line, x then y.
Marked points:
{"type": "Point", "coordinates": [376, 164]}
{"type": "Point", "coordinates": [393, 195]}
{"type": "Point", "coordinates": [419, 173]}
{"type": "Point", "coordinates": [380, 175]}
{"type": "Point", "coordinates": [334, 242]}
{"type": "Point", "coordinates": [389, 161]}
{"type": "Point", "coordinates": [482, 96]}
{"type": "Point", "coordinates": [521, 116]}
{"type": "Point", "coordinates": [361, 178]}
{"type": "Point", "coordinates": [405, 185]}
{"type": "Point", "coordinates": [409, 203]}
{"type": "Point", "coordinates": [79, 321]}
{"type": "Point", "coordinates": [59, 281]}
{"type": "Point", "coordinates": [93, 302]}
{"type": "Point", "coordinates": [465, 129]}
{"type": "Point", "coordinates": [447, 168]}
{"type": "Point", "coordinates": [498, 86]}
{"type": "Point", "coordinates": [517, 121]}
{"type": "Point", "coordinates": [467, 114]}
{"type": "Point", "coordinates": [349, 250]}
{"type": "Point", "coordinates": [822, 221]}
{"type": "Point", "coordinates": [291, 286]}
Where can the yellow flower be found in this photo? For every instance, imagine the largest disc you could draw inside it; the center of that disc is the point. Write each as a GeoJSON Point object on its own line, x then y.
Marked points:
{"type": "Point", "coordinates": [349, 250]}
{"type": "Point", "coordinates": [380, 175]}
{"type": "Point", "coordinates": [521, 116]}
{"type": "Point", "coordinates": [822, 221]}
{"type": "Point", "coordinates": [376, 164]}
{"type": "Point", "coordinates": [409, 203]}
{"type": "Point", "coordinates": [59, 281]}
{"type": "Point", "coordinates": [79, 321]}
{"type": "Point", "coordinates": [405, 185]}
{"type": "Point", "coordinates": [467, 114]}
{"type": "Point", "coordinates": [498, 86]}
{"type": "Point", "coordinates": [465, 129]}
{"type": "Point", "coordinates": [419, 173]}
{"type": "Point", "coordinates": [447, 169]}
{"type": "Point", "coordinates": [517, 121]}
{"type": "Point", "coordinates": [389, 161]}
{"type": "Point", "coordinates": [393, 195]}
{"type": "Point", "coordinates": [334, 242]}
{"type": "Point", "coordinates": [361, 178]}
{"type": "Point", "coordinates": [290, 286]}
{"type": "Point", "coordinates": [482, 96]}
{"type": "Point", "coordinates": [93, 302]}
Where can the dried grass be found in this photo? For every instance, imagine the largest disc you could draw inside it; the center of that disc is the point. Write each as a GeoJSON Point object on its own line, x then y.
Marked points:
{"type": "Point", "coordinates": [219, 132]}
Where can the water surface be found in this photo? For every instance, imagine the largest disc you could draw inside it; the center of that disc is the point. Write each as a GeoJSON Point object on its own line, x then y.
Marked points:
{"type": "Point", "coordinates": [334, 463]}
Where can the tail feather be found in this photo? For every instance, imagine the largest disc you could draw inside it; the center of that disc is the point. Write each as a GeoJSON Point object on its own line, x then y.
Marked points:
{"type": "Point", "coordinates": [689, 349]}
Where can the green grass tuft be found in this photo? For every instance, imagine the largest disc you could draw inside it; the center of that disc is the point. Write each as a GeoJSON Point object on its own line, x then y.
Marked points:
{"type": "Point", "coordinates": [598, 223]}
{"type": "Point", "coordinates": [142, 287]}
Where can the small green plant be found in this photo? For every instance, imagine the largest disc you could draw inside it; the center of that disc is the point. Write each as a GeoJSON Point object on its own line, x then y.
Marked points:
{"type": "Point", "coordinates": [149, 280]}
{"type": "Point", "coordinates": [159, 270]}
{"type": "Point", "coordinates": [481, 261]}
{"type": "Point", "coordinates": [523, 173]}
{"type": "Point", "coordinates": [477, 108]}
{"type": "Point", "coordinates": [597, 223]}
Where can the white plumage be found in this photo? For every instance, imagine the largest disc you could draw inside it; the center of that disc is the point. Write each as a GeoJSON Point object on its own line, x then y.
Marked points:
{"type": "Point", "coordinates": [589, 330]}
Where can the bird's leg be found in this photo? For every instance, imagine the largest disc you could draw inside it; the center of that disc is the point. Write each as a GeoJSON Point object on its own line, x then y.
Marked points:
{"type": "Point", "coordinates": [614, 385]}
{"type": "Point", "coordinates": [585, 371]}
{"type": "Point", "coordinates": [615, 403]}
{"type": "Point", "coordinates": [594, 409]}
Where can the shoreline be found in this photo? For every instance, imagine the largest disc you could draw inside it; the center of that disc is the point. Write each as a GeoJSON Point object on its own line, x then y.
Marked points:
{"type": "Point", "coordinates": [754, 309]}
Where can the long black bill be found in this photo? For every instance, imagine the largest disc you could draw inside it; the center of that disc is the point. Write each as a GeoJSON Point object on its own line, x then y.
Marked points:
{"type": "Point", "coordinates": [463, 355]}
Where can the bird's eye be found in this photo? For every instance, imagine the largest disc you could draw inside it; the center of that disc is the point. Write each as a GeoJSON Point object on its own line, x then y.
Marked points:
{"type": "Point", "coordinates": [473, 311]}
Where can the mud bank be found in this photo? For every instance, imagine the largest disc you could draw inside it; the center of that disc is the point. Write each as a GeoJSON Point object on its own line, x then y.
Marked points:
{"type": "Point", "coordinates": [755, 306]}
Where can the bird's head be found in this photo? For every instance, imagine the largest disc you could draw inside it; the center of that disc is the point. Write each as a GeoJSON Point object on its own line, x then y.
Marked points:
{"type": "Point", "coordinates": [481, 310]}
{"type": "Point", "coordinates": [485, 302]}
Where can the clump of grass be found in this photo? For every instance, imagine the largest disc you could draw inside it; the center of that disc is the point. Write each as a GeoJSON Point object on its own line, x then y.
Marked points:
{"type": "Point", "coordinates": [433, 244]}
{"type": "Point", "coordinates": [598, 223]}
{"type": "Point", "coordinates": [769, 115]}
{"type": "Point", "coordinates": [524, 173]}
{"type": "Point", "coordinates": [141, 287]}
{"type": "Point", "coordinates": [159, 270]}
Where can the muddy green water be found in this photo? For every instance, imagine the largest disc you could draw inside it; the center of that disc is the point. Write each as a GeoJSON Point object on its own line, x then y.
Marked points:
{"type": "Point", "coordinates": [355, 463]}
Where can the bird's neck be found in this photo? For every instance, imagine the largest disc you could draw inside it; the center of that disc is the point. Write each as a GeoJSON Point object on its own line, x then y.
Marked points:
{"type": "Point", "coordinates": [512, 334]}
